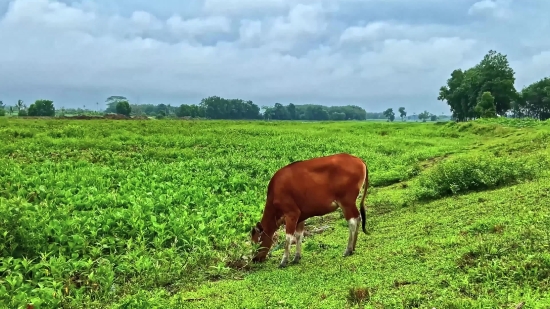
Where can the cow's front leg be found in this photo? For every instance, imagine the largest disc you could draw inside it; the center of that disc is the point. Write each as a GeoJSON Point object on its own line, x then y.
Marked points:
{"type": "Point", "coordinates": [290, 226]}
{"type": "Point", "coordinates": [299, 234]}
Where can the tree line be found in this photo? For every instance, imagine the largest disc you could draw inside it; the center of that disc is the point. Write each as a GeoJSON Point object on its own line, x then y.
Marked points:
{"type": "Point", "coordinates": [483, 91]}
{"type": "Point", "coordinates": [487, 90]}
{"type": "Point", "coordinates": [215, 107]}
{"type": "Point", "coordinates": [38, 108]}
{"type": "Point", "coordinates": [390, 115]}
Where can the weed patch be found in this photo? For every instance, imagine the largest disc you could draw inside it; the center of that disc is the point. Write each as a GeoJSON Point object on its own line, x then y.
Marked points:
{"type": "Point", "coordinates": [476, 172]}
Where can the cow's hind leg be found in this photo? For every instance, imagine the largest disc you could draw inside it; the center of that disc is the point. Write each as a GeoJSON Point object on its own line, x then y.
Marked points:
{"type": "Point", "coordinates": [299, 234]}
{"type": "Point", "coordinates": [290, 226]}
{"type": "Point", "coordinates": [351, 213]}
{"type": "Point", "coordinates": [356, 234]}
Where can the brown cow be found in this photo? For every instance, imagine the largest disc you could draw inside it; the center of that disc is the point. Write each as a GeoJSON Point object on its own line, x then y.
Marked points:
{"type": "Point", "coordinates": [313, 187]}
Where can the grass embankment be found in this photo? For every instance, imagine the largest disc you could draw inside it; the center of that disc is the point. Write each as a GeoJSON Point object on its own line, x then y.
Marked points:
{"type": "Point", "coordinates": [155, 214]}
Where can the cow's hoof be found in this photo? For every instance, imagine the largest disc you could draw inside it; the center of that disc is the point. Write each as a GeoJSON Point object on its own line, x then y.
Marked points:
{"type": "Point", "coordinates": [348, 253]}
{"type": "Point", "coordinates": [283, 264]}
{"type": "Point", "coordinates": [297, 259]}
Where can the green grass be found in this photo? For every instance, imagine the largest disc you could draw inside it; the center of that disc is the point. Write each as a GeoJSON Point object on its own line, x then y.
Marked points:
{"type": "Point", "coordinates": [475, 251]}
{"type": "Point", "coordinates": [155, 214]}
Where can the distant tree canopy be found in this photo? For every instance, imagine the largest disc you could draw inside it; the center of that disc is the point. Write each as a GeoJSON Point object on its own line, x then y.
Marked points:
{"type": "Point", "coordinates": [487, 90]}
{"type": "Point", "coordinates": [533, 101]}
{"type": "Point", "coordinates": [314, 112]}
{"type": "Point", "coordinates": [42, 108]}
{"type": "Point", "coordinates": [425, 115]}
{"type": "Point", "coordinates": [123, 108]}
{"type": "Point", "coordinates": [402, 113]}
{"type": "Point", "coordinates": [215, 107]}
{"type": "Point", "coordinates": [112, 101]}
{"type": "Point", "coordinates": [389, 114]}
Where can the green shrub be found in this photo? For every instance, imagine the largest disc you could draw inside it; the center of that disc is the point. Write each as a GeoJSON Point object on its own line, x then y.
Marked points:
{"type": "Point", "coordinates": [476, 172]}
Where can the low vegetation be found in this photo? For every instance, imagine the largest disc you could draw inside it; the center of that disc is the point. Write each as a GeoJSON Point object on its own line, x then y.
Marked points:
{"type": "Point", "coordinates": [155, 214]}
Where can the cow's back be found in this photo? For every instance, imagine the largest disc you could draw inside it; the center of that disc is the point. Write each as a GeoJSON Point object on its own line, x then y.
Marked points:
{"type": "Point", "coordinates": [312, 185]}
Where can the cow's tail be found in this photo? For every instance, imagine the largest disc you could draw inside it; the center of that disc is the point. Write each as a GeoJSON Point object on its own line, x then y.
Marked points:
{"type": "Point", "coordinates": [362, 209]}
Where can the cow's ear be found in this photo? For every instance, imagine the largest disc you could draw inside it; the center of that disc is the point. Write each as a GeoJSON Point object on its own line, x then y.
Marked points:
{"type": "Point", "coordinates": [256, 228]}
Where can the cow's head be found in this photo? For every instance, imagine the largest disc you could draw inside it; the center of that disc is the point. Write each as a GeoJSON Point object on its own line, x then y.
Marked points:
{"type": "Point", "coordinates": [259, 236]}
{"type": "Point", "coordinates": [256, 233]}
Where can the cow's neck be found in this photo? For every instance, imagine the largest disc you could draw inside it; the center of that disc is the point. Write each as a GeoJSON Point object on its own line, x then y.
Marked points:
{"type": "Point", "coordinates": [269, 222]}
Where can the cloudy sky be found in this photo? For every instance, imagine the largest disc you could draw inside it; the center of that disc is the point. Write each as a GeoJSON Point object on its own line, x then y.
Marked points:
{"type": "Point", "coordinates": [372, 53]}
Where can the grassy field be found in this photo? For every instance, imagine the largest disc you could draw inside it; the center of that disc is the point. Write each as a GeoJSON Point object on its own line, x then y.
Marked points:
{"type": "Point", "coordinates": [156, 214]}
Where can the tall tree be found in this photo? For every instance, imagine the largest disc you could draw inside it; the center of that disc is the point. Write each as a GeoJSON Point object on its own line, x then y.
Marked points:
{"type": "Point", "coordinates": [292, 111]}
{"type": "Point", "coordinates": [42, 108]}
{"type": "Point", "coordinates": [497, 77]}
{"type": "Point", "coordinates": [280, 112]}
{"type": "Point", "coordinates": [425, 115]}
{"type": "Point", "coordinates": [454, 94]}
{"type": "Point", "coordinates": [123, 108]}
{"type": "Point", "coordinates": [464, 88]}
{"type": "Point", "coordinates": [402, 113]}
{"type": "Point", "coordinates": [389, 114]}
{"type": "Point", "coordinates": [112, 102]}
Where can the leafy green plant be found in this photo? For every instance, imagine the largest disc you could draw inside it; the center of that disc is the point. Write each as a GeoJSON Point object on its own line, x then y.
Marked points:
{"type": "Point", "coordinates": [121, 213]}
{"type": "Point", "coordinates": [477, 172]}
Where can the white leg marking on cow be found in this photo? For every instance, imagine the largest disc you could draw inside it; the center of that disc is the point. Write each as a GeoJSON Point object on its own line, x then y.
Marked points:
{"type": "Point", "coordinates": [286, 254]}
{"type": "Point", "coordinates": [356, 232]}
{"type": "Point", "coordinates": [352, 224]}
{"type": "Point", "coordinates": [299, 238]}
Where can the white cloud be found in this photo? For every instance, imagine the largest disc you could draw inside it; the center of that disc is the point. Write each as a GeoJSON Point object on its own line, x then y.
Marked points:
{"type": "Point", "coordinates": [246, 6]}
{"type": "Point", "coordinates": [50, 14]}
{"type": "Point", "coordinates": [145, 21]}
{"type": "Point", "coordinates": [250, 32]}
{"type": "Point", "coordinates": [302, 22]}
{"type": "Point", "coordinates": [382, 30]}
{"type": "Point", "coordinates": [307, 51]}
{"type": "Point", "coordinates": [197, 26]}
{"type": "Point", "coordinates": [532, 69]}
{"type": "Point", "coordinates": [492, 8]}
